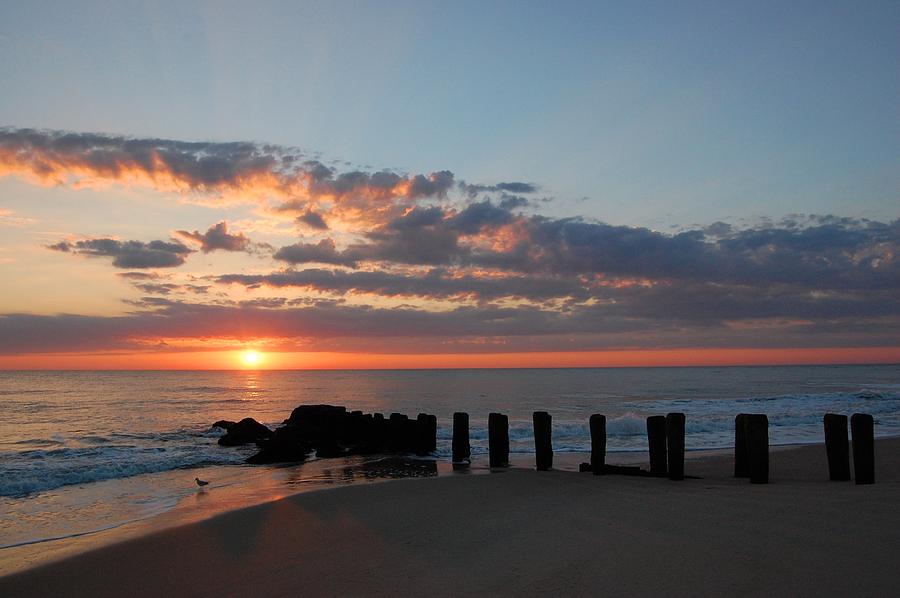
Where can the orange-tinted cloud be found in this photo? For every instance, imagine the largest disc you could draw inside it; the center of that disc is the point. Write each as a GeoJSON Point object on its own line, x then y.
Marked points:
{"type": "Point", "coordinates": [235, 172]}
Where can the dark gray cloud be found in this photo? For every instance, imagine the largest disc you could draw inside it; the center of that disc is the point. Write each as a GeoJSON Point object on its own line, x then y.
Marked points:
{"type": "Point", "coordinates": [217, 237]}
{"type": "Point", "coordinates": [323, 252]}
{"type": "Point", "coordinates": [512, 202]}
{"type": "Point", "coordinates": [847, 254]}
{"type": "Point", "coordinates": [434, 284]}
{"type": "Point", "coordinates": [477, 216]}
{"type": "Point", "coordinates": [511, 187]}
{"type": "Point", "coordinates": [313, 220]}
{"type": "Point", "coordinates": [129, 254]}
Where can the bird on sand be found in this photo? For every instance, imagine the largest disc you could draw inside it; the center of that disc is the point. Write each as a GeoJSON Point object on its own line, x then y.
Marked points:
{"type": "Point", "coordinates": [201, 483]}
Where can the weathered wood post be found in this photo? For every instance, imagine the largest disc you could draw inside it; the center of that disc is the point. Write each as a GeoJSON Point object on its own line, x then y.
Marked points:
{"type": "Point", "coordinates": [380, 432]}
{"type": "Point", "coordinates": [656, 438]}
{"type": "Point", "coordinates": [675, 445]}
{"type": "Point", "coordinates": [543, 447]}
{"type": "Point", "coordinates": [758, 444]}
{"type": "Point", "coordinates": [462, 452]}
{"type": "Point", "coordinates": [862, 428]}
{"type": "Point", "coordinates": [598, 443]}
{"type": "Point", "coordinates": [741, 447]}
{"type": "Point", "coordinates": [410, 435]}
{"type": "Point", "coordinates": [426, 433]}
{"type": "Point", "coordinates": [837, 447]}
{"type": "Point", "coordinates": [396, 425]}
{"type": "Point", "coordinates": [498, 439]}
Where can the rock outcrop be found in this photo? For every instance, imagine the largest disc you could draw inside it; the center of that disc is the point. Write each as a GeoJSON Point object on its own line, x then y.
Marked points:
{"type": "Point", "coordinates": [244, 432]}
{"type": "Point", "coordinates": [332, 431]}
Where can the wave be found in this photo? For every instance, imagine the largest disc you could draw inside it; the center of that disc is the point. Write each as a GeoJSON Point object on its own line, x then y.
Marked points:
{"type": "Point", "coordinates": [94, 458]}
{"type": "Point", "coordinates": [39, 471]}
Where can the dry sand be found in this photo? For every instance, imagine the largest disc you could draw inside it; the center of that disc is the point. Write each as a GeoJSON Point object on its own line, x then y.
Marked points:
{"type": "Point", "coordinates": [521, 532]}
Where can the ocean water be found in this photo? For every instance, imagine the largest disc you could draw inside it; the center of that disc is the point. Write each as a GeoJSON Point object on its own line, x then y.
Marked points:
{"type": "Point", "coordinates": [87, 451]}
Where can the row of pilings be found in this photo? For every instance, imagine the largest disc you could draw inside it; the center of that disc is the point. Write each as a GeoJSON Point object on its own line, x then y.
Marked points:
{"type": "Point", "coordinates": [332, 431]}
{"type": "Point", "coordinates": [665, 438]}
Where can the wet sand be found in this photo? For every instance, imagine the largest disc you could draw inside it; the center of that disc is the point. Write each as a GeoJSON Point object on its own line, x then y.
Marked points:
{"type": "Point", "coordinates": [522, 532]}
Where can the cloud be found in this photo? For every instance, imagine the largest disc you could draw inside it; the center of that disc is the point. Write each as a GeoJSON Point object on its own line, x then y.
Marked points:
{"type": "Point", "coordinates": [511, 202]}
{"type": "Point", "coordinates": [433, 284]}
{"type": "Point", "coordinates": [313, 220]}
{"type": "Point", "coordinates": [217, 237]}
{"type": "Point", "coordinates": [129, 254]}
{"type": "Point", "coordinates": [323, 252]}
{"type": "Point", "coordinates": [854, 254]}
{"type": "Point", "coordinates": [237, 172]}
{"type": "Point", "coordinates": [512, 187]}
{"type": "Point", "coordinates": [477, 216]}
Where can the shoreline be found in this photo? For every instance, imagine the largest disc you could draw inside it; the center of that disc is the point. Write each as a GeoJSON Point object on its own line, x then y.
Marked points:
{"type": "Point", "coordinates": [246, 486]}
{"type": "Point", "coordinates": [798, 472]}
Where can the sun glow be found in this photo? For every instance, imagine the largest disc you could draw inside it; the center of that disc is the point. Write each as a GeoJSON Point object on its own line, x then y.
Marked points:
{"type": "Point", "coordinates": [251, 358]}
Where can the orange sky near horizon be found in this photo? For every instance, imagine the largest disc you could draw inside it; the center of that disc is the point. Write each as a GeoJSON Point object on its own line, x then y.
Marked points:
{"type": "Point", "coordinates": [235, 360]}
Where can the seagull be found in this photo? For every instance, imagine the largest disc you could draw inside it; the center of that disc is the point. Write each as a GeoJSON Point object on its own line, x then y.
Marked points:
{"type": "Point", "coordinates": [200, 482]}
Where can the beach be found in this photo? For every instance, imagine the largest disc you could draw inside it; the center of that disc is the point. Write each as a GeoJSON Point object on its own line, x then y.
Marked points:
{"type": "Point", "coordinates": [523, 532]}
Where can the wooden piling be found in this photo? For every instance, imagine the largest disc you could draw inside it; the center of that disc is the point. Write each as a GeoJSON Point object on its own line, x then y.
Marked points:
{"type": "Point", "coordinates": [675, 445]}
{"type": "Point", "coordinates": [837, 447]}
{"type": "Point", "coordinates": [741, 447]}
{"type": "Point", "coordinates": [543, 447]}
{"type": "Point", "coordinates": [425, 435]}
{"type": "Point", "coordinates": [758, 445]}
{"type": "Point", "coordinates": [598, 443]}
{"type": "Point", "coordinates": [396, 431]}
{"type": "Point", "coordinates": [862, 429]}
{"type": "Point", "coordinates": [498, 439]}
{"type": "Point", "coordinates": [462, 452]}
{"type": "Point", "coordinates": [656, 438]}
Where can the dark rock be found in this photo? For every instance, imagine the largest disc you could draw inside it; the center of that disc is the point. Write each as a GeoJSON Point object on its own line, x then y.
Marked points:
{"type": "Point", "coordinates": [223, 424]}
{"type": "Point", "coordinates": [244, 432]}
{"type": "Point", "coordinates": [283, 447]}
{"type": "Point", "coordinates": [314, 414]}
{"type": "Point", "coordinates": [272, 453]}
{"type": "Point", "coordinates": [331, 431]}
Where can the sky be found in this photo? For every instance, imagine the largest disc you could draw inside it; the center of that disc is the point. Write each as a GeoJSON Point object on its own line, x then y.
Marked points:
{"type": "Point", "coordinates": [432, 184]}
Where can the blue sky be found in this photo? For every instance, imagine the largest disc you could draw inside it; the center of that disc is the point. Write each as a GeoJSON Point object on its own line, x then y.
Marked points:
{"type": "Point", "coordinates": [660, 114]}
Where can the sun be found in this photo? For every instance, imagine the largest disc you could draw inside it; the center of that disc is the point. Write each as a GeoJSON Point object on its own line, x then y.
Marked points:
{"type": "Point", "coordinates": [251, 358]}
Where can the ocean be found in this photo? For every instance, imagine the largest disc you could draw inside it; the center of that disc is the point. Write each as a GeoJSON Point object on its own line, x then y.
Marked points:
{"type": "Point", "coordinates": [85, 451]}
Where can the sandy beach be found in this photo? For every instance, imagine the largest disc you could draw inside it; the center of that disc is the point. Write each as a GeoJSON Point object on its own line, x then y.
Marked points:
{"type": "Point", "coordinates": [523, 532]}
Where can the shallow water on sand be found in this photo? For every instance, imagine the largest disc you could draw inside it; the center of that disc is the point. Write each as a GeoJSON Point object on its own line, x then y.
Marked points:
{"type": "Point", "coordinates": [87, 451]}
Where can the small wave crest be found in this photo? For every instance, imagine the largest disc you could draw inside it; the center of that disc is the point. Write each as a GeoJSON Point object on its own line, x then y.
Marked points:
{"type": "Point", "coordinates": [53, 463]}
